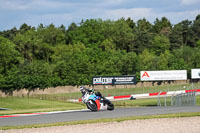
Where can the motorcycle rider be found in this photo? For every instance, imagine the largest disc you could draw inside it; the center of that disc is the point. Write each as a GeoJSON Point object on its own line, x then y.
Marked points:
{"type": "Point", "coordinates": [85, 90]}
{"type": "Point", "coordinates": [105, 101]}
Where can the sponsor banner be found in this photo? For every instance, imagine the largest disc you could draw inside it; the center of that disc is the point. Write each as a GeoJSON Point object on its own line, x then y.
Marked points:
{"type": "Point", "coordinates": [163, 75]}
{"type": "Point", "coordinates": [114, 80]}
{"type": "Point", "coordinates": [195, 74]}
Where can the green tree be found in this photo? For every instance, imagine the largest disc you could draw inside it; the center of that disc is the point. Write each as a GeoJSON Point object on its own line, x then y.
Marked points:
{"type": "Point", "coordinates": [162, 26]}
{"type": "Point", "coordinates": [182, 34]}
{"type": "Point", "coordinates": [70, 33]}
{"type": "Point", "coordinates": [9, 34]}
{"type": "Point", "coordinates": [90, 32]}
{"type": "Point", "coordinates": [107, 45]}
{"type": "Point", "coordinates": [187, 33]}
{"type": "Point", "coordinates": [122, 35]}
{"type": "Point", "coordinates": [163, 62]}
{"type": "Point", "coordinates": [144, 25]}
{"type": "Point", "coordinates": [129, 63]}
{"type": "Point", "coordinates": [36, 74]}
{"type": "Point", "coordinates": [32, 47]}
{"type": "Point", "coordinates": [9, 60]}
{"type": "Point", "coordinates": [143, 36]}
{"type": "Point", "coordinates": [146, 61]}
{"type": "Point", "coordinates": [142, 41]}
{"type": "Point", "coordinates": [9, 57]}
{"type": "Point", "coordinates": [196, 29]}
{"type": "Point", "coordinates": [71, 64]}
{"type": "Point", "coordinates": [176, 38]}
{"type": "Point", "coordinates": [131, 23]}
{"type": "Point", "coordinates": [26, 44]}
{"type": "Point", "coordinates": [182, 59]}
{"type": "Point", "coordinates": [52, 35]}
{"type": "Point", "coordinates": [24, 28]}
{"type": "Point", "coordinates": [196, 59]}
{"type": "Point", "coordinates": [160, 44]}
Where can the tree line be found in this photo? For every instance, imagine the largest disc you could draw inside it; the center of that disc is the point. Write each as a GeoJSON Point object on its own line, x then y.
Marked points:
{"type": "Point", "coordinates": [50, 56]}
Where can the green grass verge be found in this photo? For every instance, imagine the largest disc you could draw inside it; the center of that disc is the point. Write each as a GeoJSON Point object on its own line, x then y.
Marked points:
{"type": "Point", "coordinates": [147, 102]}
{"type": "Point", "coordinates": [135, 103]}
{"type": "Point", "coordinates": [178, 115]}
{"type": "Point", "coordinates": [19, 105]}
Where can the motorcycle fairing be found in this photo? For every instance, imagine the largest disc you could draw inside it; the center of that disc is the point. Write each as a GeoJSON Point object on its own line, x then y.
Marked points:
{"type": "Point", "coordinates": [96, 99]}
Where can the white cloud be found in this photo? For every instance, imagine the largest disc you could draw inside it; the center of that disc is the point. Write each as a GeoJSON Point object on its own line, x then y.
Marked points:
{"type": "Point", "coordinates": [12, 5]}
{"type": "Point", "coordinates": [150, 14]}
{"type": "Point", "coordinates": [112, 2]}
{"type": "Point", "coordinates": [190, 2]}
{"type": "Point", "coordinates": [34, 12]}
{"type": "Point", "coordinates": [134, 13]}
{"type": "Point", "coordinates": [176, 17]}
{"type": "Point", "coordinates": [33, 4]}
{"type": "Point", "coordinates": [20, 5]}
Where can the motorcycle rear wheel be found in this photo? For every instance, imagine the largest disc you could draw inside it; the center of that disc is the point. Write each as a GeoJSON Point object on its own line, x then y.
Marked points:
{"type": "Point", "coordinates": [110, 107]}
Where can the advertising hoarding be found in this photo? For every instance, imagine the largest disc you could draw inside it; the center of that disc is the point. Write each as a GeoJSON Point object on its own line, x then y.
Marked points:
{"type": "Point", "coordinates": [114, 80]}
{"type": "Point", "coordinates": [163, 75]}
{"type": "Point", "coordinates": [195, 73]}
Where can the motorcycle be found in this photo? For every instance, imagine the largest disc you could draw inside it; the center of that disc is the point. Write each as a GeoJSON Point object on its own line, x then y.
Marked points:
{"type": "Point", "coordinates": [96, 102]}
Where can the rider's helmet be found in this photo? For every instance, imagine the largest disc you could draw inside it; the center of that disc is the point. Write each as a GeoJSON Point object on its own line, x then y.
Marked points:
{"type": "Point", "coordinates": [82, 89]}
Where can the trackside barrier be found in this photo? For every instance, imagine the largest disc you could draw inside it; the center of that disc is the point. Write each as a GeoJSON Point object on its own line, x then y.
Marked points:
{"type": "Point", "coordinates": [184, 99]}
{"type": "Point", "coordinates": [158, 101]}
{"type": "Point", "coordinates": [144, 96]}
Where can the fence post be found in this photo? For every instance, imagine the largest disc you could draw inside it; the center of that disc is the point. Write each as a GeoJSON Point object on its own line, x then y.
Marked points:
{"type": "Point", "coordinates": [159, 103]}
{"type": "Point", "coordinates": [184, 99]}
{"type": "Point", "coordinates": [165, 101]}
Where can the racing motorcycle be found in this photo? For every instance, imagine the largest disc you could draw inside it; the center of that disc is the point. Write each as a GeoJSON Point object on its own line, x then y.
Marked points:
{"type": "Point", "coordinates": [95, 101]}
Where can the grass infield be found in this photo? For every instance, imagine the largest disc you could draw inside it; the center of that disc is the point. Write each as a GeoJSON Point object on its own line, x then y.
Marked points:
{"type": "Point", "coordinates": [24, 105]}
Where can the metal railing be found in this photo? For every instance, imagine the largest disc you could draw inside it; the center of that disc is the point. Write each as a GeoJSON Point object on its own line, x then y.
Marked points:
{"type": "Point", "coordinates": [184, 99]}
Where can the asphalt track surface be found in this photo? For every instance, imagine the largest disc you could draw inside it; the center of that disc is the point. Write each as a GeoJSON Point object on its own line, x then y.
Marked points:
{"type": "Point", "coordinates": [86, 115]}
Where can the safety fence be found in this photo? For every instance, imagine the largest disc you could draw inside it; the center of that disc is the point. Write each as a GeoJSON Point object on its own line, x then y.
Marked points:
{"type": "Point", "coordinates": [158, 95]}
{"type": "Point", "coordinates": [184, 99]}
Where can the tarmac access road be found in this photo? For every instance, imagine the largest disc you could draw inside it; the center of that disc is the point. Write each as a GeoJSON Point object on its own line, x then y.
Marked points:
{"type": "Point", "coordinates": [86, 115]}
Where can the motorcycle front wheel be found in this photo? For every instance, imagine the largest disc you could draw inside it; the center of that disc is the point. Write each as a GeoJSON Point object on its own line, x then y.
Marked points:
{"type": "Point", "coordinates": [91, 105]}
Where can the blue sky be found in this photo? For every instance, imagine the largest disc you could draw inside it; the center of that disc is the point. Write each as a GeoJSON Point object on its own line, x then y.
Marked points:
{"type": "Point", "coordinates": [33, 12]}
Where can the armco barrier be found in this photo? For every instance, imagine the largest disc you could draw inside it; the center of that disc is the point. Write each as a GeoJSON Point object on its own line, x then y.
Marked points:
{"type": "Point", "coordinates": [143, 96]}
